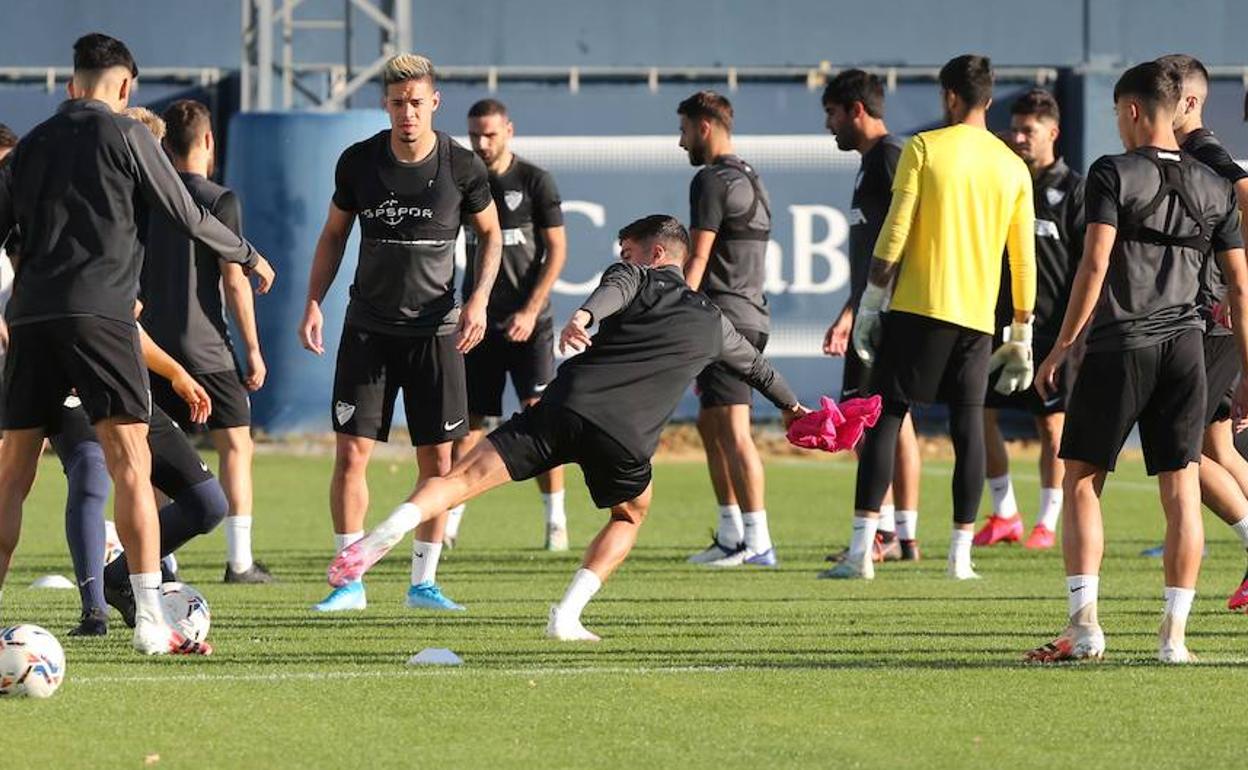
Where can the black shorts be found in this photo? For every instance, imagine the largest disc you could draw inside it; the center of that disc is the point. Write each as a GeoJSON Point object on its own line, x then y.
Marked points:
{"type": "Point", "coordinates": [98, 358]}
{"type": "Point", "coordinates": [231, 404]}
{"type": "Point", "coordinates": [1029, 400]}
{"type": "Point", "coordinates": [856, 381]}
{"type": "Point", "coordinates": [531, 365]}
{"type": "Point", "coordinates": [717, 385]}
{"type": "Point", "coordinates": [176, 466]}
{"type": "Point", "coordinates": [922, 360]}
{"type": "Point", "coordinates": [1221, 371]}
{"type": "Point", "coordinates": [1162, 387]}
{"type": "Point", "coordinates": [544, 436]}
{"type": "Point", "coordinates": [373, 367]}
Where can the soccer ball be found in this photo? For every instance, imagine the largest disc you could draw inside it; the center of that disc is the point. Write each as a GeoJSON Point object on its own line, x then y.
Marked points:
{"type": "Point", "coordinates": [187, 609]}
{"type": "Point", "coordinates": [112, 543]}
{"type": "Point", "coordinates": [32, 662]}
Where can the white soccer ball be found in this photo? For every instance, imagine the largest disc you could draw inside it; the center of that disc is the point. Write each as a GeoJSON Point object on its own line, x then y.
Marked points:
{"type": "Point", "coordinates": [32, 662]}
{"type": "Point", "coordinates": [112, 543]}
{"type": "Point", "coordinates": [187, 609]}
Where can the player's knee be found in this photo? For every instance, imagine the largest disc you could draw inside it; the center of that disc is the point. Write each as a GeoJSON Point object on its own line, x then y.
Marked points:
{"type": "Point", "coordinates": [350, 461]}
{"type": "Point", "coordinates": [634, 515]}
{"type": "Point", "coordinates": [207, 503]}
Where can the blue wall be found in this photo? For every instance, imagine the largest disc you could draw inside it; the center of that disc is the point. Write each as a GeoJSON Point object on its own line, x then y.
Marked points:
{"type": "Point", "coordinates": [663, 32]}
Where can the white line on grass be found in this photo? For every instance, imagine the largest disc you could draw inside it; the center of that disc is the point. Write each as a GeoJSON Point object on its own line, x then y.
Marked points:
{"type": "Point", "coordinates": [311, 676]}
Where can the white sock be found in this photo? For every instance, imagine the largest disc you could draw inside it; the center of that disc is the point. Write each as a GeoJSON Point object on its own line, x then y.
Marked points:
{"type": "Point", "coordinates": [960, 546]}
{"type": "Point", "coordinates": [907, 525]}
{"type": "Point", "coordinates": [757, 536]}
{"type": "Point", "coordinates": [453, 517]}
{"type": "Point", "coordinates": [555, 515]}
{"type": "Point", "coordinates": [238, 543]}
{"type": "Point", "coordinates": [147, 605]}
{"type": "Point", "coordinates": [401, 520]}
{"type": "Point", "coordinates": [1179, 605]}
{"type": "Point", "coordinates": [1003, 503]}
{"type": "Point", "coordinates": [425, 558]}
{"type": "Point", "coordinates": [1081, 591]}
{"type": "Point", "coordinates": [345, 541]}
{"type": "Point", "coordinates": [731, 531]}
{"type": "Point", "coordinates": [1050, 508]}
{"type": "Point", "coordinates": [582, 588]}
{"type": "Point", "coordinates": [888, 519]}
{"type": "Point", "coordinates": [863, 539]}
{"type": "Point", "coordinates": [1240, 528]}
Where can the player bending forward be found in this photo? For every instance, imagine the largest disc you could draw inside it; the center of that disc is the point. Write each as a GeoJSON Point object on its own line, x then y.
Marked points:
{"type": "Point", "coordinates": [1153, 215]}
{"type": "Point", "coordinates": [604, 410]}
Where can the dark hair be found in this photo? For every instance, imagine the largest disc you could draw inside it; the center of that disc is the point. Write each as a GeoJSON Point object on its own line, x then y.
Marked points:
{"type": "Point", "coordinates": [856, 86]}
{"type": "Point", "coordinates": [1186, 66]}
{"type": "Point", "coordinates": [1038, 102]}
{"type": "Point", "coordinates": [486, 107]}
{"type": "Point", "coordinates": [186, 122]}
{"type": "Point", "coordinates": [96, 52]}
{"type": "Point", "coordinates": [7, 137]}
{"type": "Point", "coordinates": [1155, 85]}
{"type": "Point", "coordinates": [970, 77]}
{"type": "Point", "coordinates": [707, 105]}
{"type": "Point", "coordinates": [658, 227]}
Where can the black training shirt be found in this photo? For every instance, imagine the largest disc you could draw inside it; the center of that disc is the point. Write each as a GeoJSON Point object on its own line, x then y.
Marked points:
{"type": "Point", "coordinates": [181, 285]}
{"type": "Point", "coordinates": [409, 215]}
{"type": "Point", "coordinates": [654, 335]}
{"type": "Point", "coordinates": [1206, 148]}
{"type": "Point", "coordinates": [75, 186]}
{"type": "Point", "coordinates": [527, 202]}
{"type": "Point", "coordinates": [1058, 199]}
{"type": "Point", "coordinates": [724, 200]}
{"type": "Point", "coordinates": [1150, 289]}
{"type": "Point", "coordinates": [873, 193]}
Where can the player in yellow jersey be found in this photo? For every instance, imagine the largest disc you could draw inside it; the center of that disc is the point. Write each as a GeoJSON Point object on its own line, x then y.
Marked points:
{"type": "Point", "coordinates": [960, 196]}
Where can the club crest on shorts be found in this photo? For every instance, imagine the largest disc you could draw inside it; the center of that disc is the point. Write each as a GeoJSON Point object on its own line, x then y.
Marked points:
{"type": "Point", "coordinates": [343, 412]}
{"type": "Point", "coordinates": [513, 199]}
{"type": "Point", "coordinates": [1053, 195]}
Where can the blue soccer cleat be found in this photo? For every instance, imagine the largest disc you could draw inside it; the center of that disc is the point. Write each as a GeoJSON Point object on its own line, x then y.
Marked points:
{"type": "Point", "coordinates": [428, 596]}
{"type": "Point", "coordinates": [348, 597]}
{"type": "Point", "coordinates": [1155, 552]}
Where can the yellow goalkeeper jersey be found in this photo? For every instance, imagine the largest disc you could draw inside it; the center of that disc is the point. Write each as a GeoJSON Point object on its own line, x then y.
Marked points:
{"type": "Point", "coordinates": [960, 196]}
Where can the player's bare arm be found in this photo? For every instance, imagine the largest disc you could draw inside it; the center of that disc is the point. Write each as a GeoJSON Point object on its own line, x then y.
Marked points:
{"type": "Point", "coordinates": [520, 327]}
{"type": "Point", "coordinates": [190, 391]}
{"type": "Point", "coordinates": [325, 263]}
{"type": "Point", "coordinates": [238, 296]}
{"type": "Point", "coordinates": [836, 340]}
{"type": "Point", "coordinates": [490, 237]}
{"type": "Point", "coordinates": [702, 243]}
{"type": "Point", "coordinates": [1098, 243]}
{"type": "Point", "coordinates": [1235, 274]}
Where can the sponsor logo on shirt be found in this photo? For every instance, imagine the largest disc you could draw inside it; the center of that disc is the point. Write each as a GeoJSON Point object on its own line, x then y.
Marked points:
{"type": "Point", "coordinates": [513, 199]}
{"type": "Point", "coordinates": [856, 217]}
{"type": "Point", "coordinates": [393, 214]}
{"type": "Point", "coordinates": [1053, 195]}
{"type": "Point", "coordinates": [512, 236]}
{"type": "Point", "coordinates": [1046, 228]}
{"type": "Point", "coordinates": [343, 412]}
{"type": "Point", "coordinates": [1174, 156]}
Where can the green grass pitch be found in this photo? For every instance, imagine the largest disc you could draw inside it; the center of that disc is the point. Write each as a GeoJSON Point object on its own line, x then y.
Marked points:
{"type": "Point", "coordinates": [697, 668]}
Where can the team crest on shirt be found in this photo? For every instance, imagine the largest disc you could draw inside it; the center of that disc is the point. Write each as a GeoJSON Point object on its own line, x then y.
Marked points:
{"type": "Point", "coordinates": [513, 199]}
{"type": "Point", "coordinates": [343, 412]}
{"type": "Point", "coordinates": [1054, 196]}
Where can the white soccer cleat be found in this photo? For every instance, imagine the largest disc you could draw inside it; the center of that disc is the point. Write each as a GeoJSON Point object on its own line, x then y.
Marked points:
{"type": "Point", "coordinates": [160, 639]}
{"type": "Point", "coordinates": [556, 537]}
{"type": "Point", "coordinates": [961, 570]}
{"type": "Point", "coordinates": [1077, 643]}
{"type": "Point", "coordinates": [853, 567]}
{"type": "Point", "coordinates": [716, 551]}
{"type": "Point", "coordinates": [1172, 647]}
{"type": "Point", "coordinates": [567, 629]}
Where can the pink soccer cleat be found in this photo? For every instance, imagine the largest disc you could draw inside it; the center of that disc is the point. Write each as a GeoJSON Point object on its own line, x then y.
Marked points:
{"type": "Point", "coordinates": [1239, 600]}
{"type": "Point", "coordinates": [353, 561]}
{"type": "Point", "coordinates": [999, 529]}
{"type": "Point", "coordinates": [1041, 538]}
